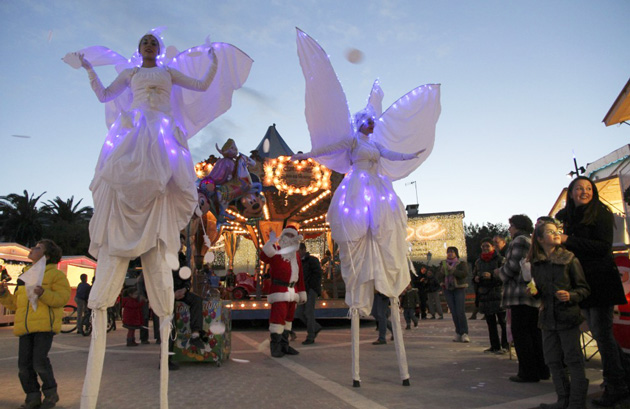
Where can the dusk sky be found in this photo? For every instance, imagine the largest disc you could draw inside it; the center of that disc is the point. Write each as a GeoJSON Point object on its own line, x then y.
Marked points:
{"type": "Point", "coordinates": [524, 85]}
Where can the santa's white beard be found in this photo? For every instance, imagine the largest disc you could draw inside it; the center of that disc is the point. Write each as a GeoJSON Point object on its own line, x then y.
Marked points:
{"type": "Point", "coordinates": [290, 257]}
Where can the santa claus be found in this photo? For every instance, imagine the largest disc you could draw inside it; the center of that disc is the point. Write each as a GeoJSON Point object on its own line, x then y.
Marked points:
{"type": "Point", "coordinates": [287, 287]}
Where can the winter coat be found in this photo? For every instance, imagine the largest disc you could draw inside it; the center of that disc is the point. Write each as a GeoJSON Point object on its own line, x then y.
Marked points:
{"type": "Point", "coordinates": [47, 317]}
{"type": "Point", "coordinates": [410, 298]}
{"type": "Point", "coordinates": [312, 273]}
{"type": "Point", "coordinates": [131, 312]}
{"type": "Point", "coordinates": [489, 290]}
{"type": "Point", "coordinates": [592, 245]}
{"type": "Point", "coordinates": [460, 273]}
{"type": "Point", "coordinates": [433, 284]}
{"type": "Point", "coordinates": [561, 271]}
{"type": "Point", "coordinates": [514, 287]}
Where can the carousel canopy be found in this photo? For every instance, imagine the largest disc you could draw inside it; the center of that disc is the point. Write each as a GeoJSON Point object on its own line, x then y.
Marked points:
{"type": "Point", "coordinates": [620, 111]}
{"type": "Point", "coordinates": [272, 145]}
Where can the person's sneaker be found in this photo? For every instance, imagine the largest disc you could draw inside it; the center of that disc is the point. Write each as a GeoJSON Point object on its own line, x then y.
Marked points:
{"type": "Point", "coordinates": [379, 342]}
{"type": "Point", "coordinates": [49, 401]}
{"type": "Point", "coordinates": [465, 338]}
{"type": "Point", "coordinates": [610, 399]}
{"type": "Point", "coordinates": [457, 338]}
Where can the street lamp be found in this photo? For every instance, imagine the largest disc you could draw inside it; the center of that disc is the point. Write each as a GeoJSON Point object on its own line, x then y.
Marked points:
{"type": "Point", "coordinates": [416, 186]}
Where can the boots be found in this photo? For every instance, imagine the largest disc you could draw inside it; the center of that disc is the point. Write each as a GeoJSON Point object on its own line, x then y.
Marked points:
{"type": "Point", "coordinates": [33, 401]}
{"type": "Point", "coordinates": [276, 346]}
{"type": "Point", "coordinates": [50, 399]}
{"type": "Point", "coordinates": [286, 348]}
{"type": "Point", "coordinates": [579, 392]}
{"type": "Point", "coordinates": [561, 384]}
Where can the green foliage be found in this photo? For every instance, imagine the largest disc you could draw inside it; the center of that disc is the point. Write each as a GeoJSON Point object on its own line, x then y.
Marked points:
{"type": "Point", "coordinates": [21, 221]}
{"type": "Point", "coordinates": [475, 233]}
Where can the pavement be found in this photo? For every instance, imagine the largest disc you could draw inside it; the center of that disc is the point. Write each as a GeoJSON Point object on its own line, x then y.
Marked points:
{"type": "Point", "coordinates": [444, 374]}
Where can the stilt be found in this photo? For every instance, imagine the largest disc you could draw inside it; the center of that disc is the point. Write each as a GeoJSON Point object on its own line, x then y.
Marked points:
{"type": "Point", "coordinates": [398, 341]}
{"type": "Point", "coordinates": [165, 333]}
{"type": "Point", "coordinates": [354, 325]}
{"type": "Point", "coordinates": [94, 371]}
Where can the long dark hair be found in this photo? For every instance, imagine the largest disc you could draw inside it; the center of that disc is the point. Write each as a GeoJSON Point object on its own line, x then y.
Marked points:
{"type": "Point", "coordinates": [570, 215]}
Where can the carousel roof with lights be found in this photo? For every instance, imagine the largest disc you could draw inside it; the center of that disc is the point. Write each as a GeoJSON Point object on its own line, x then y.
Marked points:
{"type": "Point", "coordinates": [296, 192]}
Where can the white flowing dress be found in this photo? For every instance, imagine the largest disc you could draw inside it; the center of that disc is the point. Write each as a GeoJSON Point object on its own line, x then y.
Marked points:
{"type": "Point", "coordinates": [368, 221]}
{"type": "Point", "coordinates": [143, 187]}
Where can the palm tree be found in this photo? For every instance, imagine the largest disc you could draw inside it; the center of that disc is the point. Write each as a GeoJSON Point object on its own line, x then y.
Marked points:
{"type": "Point", "coordinates": [20, 219]}
{"type": "Point", "coordinates": [67, 224]}
{"type": "Point", "coordinates": [57, 210]}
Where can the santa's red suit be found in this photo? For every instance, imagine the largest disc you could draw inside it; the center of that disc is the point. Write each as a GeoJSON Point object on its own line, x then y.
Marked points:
{"type": "Point", "coordinates": [287, 288]}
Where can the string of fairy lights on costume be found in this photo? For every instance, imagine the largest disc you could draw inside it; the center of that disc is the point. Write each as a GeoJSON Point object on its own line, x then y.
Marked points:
{"type": "Point", "coordinates": [275, 170]}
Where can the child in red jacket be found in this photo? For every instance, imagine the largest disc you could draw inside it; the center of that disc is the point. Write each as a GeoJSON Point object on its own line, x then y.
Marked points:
{"type": "Point", "coordinates": [132, 315]}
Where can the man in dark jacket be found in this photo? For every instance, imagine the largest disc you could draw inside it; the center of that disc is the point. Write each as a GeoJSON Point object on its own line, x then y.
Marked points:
{"type": "Point", "coordinates": [80, 298]}
{"type": "Point", "coordinates": [313, 283]}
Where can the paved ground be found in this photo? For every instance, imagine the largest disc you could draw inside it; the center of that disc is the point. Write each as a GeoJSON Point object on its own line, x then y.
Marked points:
{"type": "Point", "coordinates": [444, 374]}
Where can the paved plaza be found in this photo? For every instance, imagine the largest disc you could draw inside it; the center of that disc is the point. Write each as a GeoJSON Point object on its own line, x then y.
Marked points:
{"type": "Point", "coordinates": [444, 374]}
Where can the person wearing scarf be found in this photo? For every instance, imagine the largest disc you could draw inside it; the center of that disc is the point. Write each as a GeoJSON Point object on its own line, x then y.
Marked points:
{"type": "Point", "coordinates": [453, 274]}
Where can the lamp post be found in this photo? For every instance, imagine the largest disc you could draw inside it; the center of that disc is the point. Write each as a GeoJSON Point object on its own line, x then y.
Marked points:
{"type": "Point", "coordinates": [416, 186]}
{"type": "Point", "coordinates": [578, 170]}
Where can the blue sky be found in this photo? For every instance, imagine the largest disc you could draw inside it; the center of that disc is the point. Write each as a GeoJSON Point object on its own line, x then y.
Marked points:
{"type": "Point", "coordinates": [524, 85]}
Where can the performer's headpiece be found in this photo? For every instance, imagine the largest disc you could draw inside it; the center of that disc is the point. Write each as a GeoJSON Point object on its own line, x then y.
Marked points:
{"type": "Point", "coordinates": [157, 33]}
{"type": "Point", "coordinates": [361, 117]}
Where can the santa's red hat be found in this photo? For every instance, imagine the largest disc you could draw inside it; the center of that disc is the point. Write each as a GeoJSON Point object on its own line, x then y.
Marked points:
{"type": "Point", "coordinates": [292, 229]}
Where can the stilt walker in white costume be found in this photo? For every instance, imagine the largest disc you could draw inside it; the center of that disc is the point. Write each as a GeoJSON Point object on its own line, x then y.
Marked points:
{"type": "Point", "coordinates": [367, 219]}
{"type": "Point", "coordinates": [144, 185]}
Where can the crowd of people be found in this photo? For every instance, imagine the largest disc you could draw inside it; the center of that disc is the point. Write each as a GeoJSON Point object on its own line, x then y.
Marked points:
{"type": "Point", "coordinates": [552, 276]}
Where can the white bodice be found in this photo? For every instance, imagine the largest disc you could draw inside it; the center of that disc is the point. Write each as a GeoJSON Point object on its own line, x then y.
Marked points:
{"type": "Point", "coordinates": [151, 89]}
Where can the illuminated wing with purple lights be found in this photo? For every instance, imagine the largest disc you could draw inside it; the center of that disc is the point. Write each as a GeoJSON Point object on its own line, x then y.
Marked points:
{"type": "Point", "coordinates": [409, 126]}
{"type": "Point", "coordinates": [194, 110]}
{"type": "Point", "coordinates": [326, 107]}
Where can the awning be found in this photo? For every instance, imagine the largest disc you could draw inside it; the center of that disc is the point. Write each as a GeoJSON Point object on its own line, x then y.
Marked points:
{"type": "Point", "coordinates": [620, 111]}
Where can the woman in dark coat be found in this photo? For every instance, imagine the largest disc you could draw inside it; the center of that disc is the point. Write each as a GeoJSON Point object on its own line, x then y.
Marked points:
{"type": "Point", "coordinates": [588, 233]}
{"type": "Point", "coordinates": [488, 280]}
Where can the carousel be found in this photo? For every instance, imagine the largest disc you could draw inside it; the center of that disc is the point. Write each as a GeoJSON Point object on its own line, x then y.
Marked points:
{"type": "Point", "coordinates": [248, 197]}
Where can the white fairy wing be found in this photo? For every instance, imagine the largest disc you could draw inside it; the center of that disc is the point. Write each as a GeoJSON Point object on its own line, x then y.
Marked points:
{"type": "Point", "coordinates": [409, 126]}
{"type": "Point", "coordinates": [326, 108]}
{"type": "Point", "coordinates": [193, 109]}
{"type": "Point", "coordinates": [376, 99]}
{"type": "Point", "coordinates": [98, 56]}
